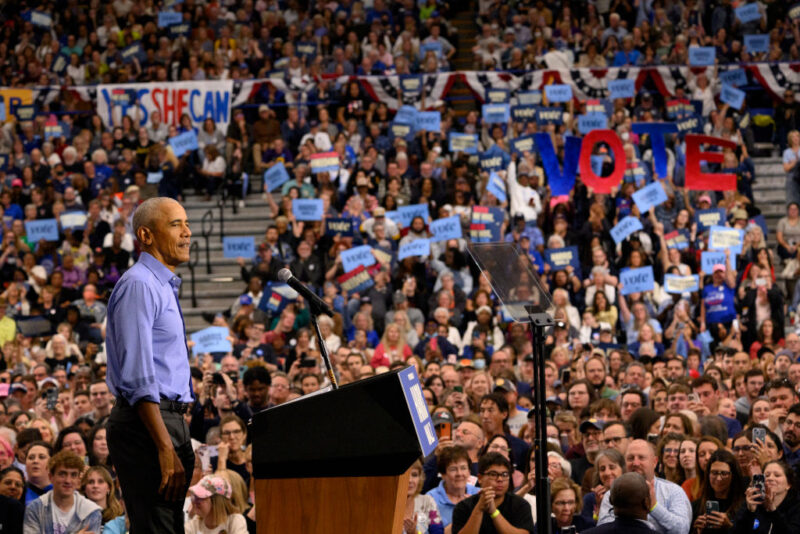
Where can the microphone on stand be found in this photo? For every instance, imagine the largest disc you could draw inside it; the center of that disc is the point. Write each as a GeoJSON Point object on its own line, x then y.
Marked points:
{"type": "Point", "coordinates": [286, 276]}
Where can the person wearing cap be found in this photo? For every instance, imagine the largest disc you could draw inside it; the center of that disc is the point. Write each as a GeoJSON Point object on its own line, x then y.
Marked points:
{"type": "Point", "coordinates": [212, 509]}
{"type": "Point", "coordinates": [379, 215]}
{"type": "Point", "coordinates": [63, 508]}
{"type": "Point", "coordinates": [717, 307]}
{"type": "Point", "coordinates": [148, 373]}
{"type": "Point", "coordinates": [517, 417]}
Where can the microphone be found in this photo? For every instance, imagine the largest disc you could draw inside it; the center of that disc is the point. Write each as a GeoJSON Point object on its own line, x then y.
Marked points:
{"type": "Point", "coordinates": [285, 275]}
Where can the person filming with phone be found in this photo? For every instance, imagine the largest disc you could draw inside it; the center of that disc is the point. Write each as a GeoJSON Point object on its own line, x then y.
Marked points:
{"type": "Point", "coordinates": [722, 495]}
{"type": "Point", "coordinates": [772, 503]}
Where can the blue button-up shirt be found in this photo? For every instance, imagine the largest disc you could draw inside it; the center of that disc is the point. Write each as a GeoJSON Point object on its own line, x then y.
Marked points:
{"type": "Point", "coordinates": [444, 504]}
{"type": "Point", "coordinates": [672, 513]}
{"type": "Point", "coordinates": [146, 337]}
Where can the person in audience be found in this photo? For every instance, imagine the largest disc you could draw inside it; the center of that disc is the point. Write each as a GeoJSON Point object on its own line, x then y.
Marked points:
{"type": "Point", "coordinates": [212, 508]}
{"type": "Point", "coordinates": [724, 488]}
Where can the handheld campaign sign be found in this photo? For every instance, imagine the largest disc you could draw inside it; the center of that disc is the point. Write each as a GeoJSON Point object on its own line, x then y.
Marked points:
{"type": "Point", "coordinates": [423, 424]}
{"type": "Point", "coordinates": [406, 214]}
{"type": "Point", "coordinates": [155, 177]}
{"type": "Point", "coordinates": [675, 283]}
{"type": "Point", "coordinates": [275, 176]}
{"type": "Point", "coordinates": [705, 219]}
{"type": "Point", "coordinates": [185, 142]}
{"type": "Point", "coordinates": [637, 280]}
{"type": "Point", "coordinates": [732, 96]}
{"type": "Point", "coordinates": [722, 237]}
{"type": "Point", "coordinates": [447, 228]}
{"type": "Point", "coordinates": [324, 162]}
{"type": "Point", "coordinates": [702, 56]}
{"type": "Point", "coordinates": [73, 220]}
{"type": "Point", "coordinates": [558, 92]}
{"type": "Point", "coordinates": [621, 89]}
{"type": "Point", "coordinates": [523, 113]}
{"type": "Point", "coordinates": [497, 96]}
{"type": "Point", "coordinates": [591, 121]}
{"type": "Point", "coordinates": [307, 209]}
{"type": "Point", "coordinates": [756, 43]}
{"type": "Point", "coordinates": [418, 247]}
{"type": "Point", "coordinates": [406, 115]}
{"type": "Point", "coordinates": [624, 228]}
{"type": "Point", "coordinates": [210, 340]}
{"type": "Point", "coordinates": [649, 196]}
{"type": "Point", "coordinates": [356, 256]}
{"type": "Point", "coordinates": [709, 259]}
{"type": "Point", "coordinates": [733, 77]}
{"type": "Point", "coordinates": [342, 226]}
{"type": "Point", "coordinates": [748, 13]}
{"type": "Point", "coordinates": [495, 113]}
{"type": "Point", "coordinates": [46, 229]}
{"type": "Point", "coordinates": [523, 144]}
{"type": "Point", "coordinates": [467, 143]}
{"type": "Point", "coordinates": [497, 187]}
{"type": "Point", "coordinates": [678, 239]}
{"type": "Point", "coordinates": [169, 18]}
{"type": "Point", "coordinates": [559, 258]}
{"type": "Point", "coordinates": [239, 247]}
{"type": "Point", "coordinates": [428, 121]}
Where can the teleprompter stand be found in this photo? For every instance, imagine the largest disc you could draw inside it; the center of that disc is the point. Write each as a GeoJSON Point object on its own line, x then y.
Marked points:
{"type": "Point", "coordinates": [511, 274]}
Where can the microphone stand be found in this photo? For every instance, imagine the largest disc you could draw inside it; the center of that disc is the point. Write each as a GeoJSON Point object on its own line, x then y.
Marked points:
{"type": "Point", "coordinates": [323, 349]}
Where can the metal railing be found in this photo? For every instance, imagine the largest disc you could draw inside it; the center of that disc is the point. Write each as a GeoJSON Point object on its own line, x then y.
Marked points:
{"type": "Point", "coordinates": [206, 229]}
{"type": "Point", "coordinates": [194, 257]}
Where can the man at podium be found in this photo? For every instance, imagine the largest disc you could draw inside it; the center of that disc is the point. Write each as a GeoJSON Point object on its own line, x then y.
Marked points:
{"type": "Point", "coordinates": [494, 509]}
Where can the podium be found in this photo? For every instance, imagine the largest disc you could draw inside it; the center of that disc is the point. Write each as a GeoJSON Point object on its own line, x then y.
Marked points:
{"type": "Point", "coordinates": [338, 461]}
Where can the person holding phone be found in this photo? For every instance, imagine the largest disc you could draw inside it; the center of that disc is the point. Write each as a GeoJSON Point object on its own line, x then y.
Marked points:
{"type": "Point", "coordinates": [775, 508]}
{"type": "Point", "coordinates": [721, 496]}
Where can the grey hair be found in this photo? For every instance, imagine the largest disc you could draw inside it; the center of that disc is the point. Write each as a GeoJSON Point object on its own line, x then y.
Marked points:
{"type": "Point", "coordinates": [147, 212]}
{"type": "Point", "coordinates": [566, 467]}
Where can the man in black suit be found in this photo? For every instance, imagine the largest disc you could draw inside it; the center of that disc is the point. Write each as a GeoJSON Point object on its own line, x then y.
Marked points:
{"type": "Point", "coordinates": [630, 497]}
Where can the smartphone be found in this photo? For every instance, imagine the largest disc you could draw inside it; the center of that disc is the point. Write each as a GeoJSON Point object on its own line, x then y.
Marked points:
{"type": "Point", "coordinates": [712, 506]}
{"type": "Point", "coordinates": [460, 389]}
{"type": "Point", "coordinates": [693, 398]}
{"type": "Point", "coordinates": [758, 483]}
{"type": "Point", "coordinates": [216, 378]}
{"type": "Point", "coordinates": [652, 438]}
{"type": "Point", "coordinates": [566, 375]}
{"type": "Point", "coordinates": [308, 362]}
{"type": "Point", "coordinates": [444, 430]}
{"type": "Point", "coordinates": [52, 399]}
{"type": "Point", "coordinates": [759, 434]}
{"type": "Point", "coordinates": [569, 530]}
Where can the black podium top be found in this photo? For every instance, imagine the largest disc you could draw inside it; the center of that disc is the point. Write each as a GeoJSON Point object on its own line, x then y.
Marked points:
{"type": "Point", "coordinates": [367, 428]}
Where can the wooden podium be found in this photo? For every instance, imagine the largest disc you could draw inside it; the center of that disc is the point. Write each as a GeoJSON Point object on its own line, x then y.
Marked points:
{"type": "Point", "coordinates": [338, 461]}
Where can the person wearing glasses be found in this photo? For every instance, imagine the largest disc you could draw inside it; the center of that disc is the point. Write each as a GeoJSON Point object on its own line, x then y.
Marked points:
{"type": "Point", "coordinates": [724, 485]}
{"type": "Point", "coordinates": [616, 435]}
{"type": "Point", "coordinates": [231, 449]}
{"type": "Point", "coordinates": [609, 465]}
{"type": "Point", "coordinates": [670, 510]}
{"type": "Point", "coordinates": [566, 495]}
{"type": "Point", "coordinates": [494, 508]}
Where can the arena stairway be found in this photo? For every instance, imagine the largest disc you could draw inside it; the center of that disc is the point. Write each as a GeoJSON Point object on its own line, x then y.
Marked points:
{"type": "Point", "coordinates": [218, 290]}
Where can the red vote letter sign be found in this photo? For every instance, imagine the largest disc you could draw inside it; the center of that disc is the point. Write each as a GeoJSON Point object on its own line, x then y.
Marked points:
{"type": "Point", "coordinates": [698, 180]}
{"type": "Point", "coordinates": [590, 179]}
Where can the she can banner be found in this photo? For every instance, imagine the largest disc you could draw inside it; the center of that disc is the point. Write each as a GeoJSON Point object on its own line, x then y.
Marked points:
{"type": "Point", "coordinates": [199, 100]}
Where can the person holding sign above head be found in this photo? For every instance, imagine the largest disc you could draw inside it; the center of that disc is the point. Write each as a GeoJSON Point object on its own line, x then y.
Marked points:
{"type": "Point", "coordinates": [717, 306]}
{"type": "Point", "coordinates": [148, 373]}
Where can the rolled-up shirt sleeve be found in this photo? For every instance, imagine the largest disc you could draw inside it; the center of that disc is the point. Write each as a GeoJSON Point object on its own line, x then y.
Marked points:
{"type": "Point", "coordinates": [130, 346]}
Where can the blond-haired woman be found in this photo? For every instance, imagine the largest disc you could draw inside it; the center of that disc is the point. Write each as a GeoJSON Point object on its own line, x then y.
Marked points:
{"type": "Point", "coordinates": [213, 508]}
{"type": "Point", "coordinates": [421, 514]}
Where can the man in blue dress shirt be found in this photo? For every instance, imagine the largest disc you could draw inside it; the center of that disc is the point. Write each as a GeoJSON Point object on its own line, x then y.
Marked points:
{"type": "Point", "coordinates": [148, 372]}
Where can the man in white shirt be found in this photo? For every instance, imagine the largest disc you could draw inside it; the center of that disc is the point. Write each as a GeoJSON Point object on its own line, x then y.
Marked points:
{"type": "Point", "coordinates": [670, 511]}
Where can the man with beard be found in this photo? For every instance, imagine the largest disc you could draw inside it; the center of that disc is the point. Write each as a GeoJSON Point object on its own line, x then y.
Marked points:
{"type": "Point", "coordinates": [791, 436]}
{"type": "Point", "coordinates": [596, 374]}
{"type": "Point", "coordinates": [670, 512]}
{"type": "Point", "coordinates": [591, 434]}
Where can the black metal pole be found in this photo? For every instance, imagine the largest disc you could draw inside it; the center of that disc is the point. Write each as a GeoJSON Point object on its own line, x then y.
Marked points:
{"type": "Point", "coordinates": [221, 206]}
{"type": "Point", "coordinates": [323, 349]}
{"type": "Point", "coordinates": [543, 523]}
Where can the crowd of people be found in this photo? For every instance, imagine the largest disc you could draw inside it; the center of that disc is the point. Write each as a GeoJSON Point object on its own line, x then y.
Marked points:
{"type": "Point", "coordinates": [696, 391]}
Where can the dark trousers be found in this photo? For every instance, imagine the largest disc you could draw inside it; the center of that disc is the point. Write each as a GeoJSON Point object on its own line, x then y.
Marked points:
{"type": "Point", "coordinates": [135, 459]}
